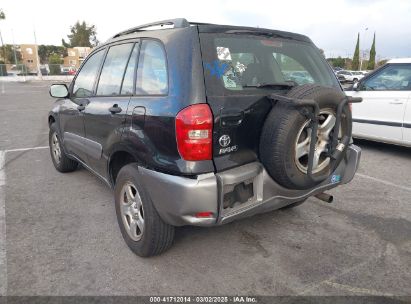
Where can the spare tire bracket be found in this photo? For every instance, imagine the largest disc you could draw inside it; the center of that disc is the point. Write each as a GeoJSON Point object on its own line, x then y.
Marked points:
{"type": "Point", "coordinates": [336, 150]}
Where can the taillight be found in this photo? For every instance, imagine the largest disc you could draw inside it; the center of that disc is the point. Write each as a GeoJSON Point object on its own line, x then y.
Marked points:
{"type": "Point", "coordinates": [194, 130]}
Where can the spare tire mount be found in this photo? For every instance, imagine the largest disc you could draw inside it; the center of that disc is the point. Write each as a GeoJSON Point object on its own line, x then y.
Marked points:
{"type": "Point", "coordinates": [336, 150]}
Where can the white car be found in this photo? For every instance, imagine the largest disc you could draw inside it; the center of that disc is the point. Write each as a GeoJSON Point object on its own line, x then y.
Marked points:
{"type": "Point", "coordinates": [350, 76]}
{"type": "Point", "coordinates": [385, 113]}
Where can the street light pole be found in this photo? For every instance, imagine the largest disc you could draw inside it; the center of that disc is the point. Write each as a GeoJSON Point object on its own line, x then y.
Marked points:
{"type": "Point", "coordinates": [37, 55]}
{"type": "Point", "coordinates": [363, 52]}
{"type": "Point", "coordinates": [14, 48]}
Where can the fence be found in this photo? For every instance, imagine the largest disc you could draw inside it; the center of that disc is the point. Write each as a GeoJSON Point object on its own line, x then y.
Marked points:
{"type": "Point", "coordinates": [22, 72]}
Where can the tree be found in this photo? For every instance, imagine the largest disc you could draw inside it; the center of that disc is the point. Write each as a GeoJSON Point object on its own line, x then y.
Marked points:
{"type": "Point", "coordinates": [337, 62]}
{"type": "Point", "coordinates": [2, 15]}
{"type": "Point", "coordinates": [8, 49]}
{"type": "Point", "coordinates": [382, 62]}
{"type": "Point", "coordinates": [322, 52]}
{"type": "Point", "coordinates": [356, 58]}
{"type": "Point", "coordinates": [371, 62]}
{"type": "Point", "coordinates": [81, 35]}
{"type": "Point", "coordinates": [45, 51]}
{"type": "Point", "coordinates": [54, 64]}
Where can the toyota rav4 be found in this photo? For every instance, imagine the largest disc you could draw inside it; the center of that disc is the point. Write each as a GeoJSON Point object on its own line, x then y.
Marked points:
{"type": "Point", "coordinates": [203, 124]}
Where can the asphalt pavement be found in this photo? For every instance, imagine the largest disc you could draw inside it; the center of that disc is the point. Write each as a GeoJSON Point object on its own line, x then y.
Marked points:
{"type": "Point", "coordinates": [59, 234]}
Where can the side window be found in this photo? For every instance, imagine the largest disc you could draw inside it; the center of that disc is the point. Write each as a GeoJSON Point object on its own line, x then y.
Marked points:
{"type": "Point", "coordinates": [152, 69]}
{"type": "Point", "coordinates": [127, 87]}
{"type": "Point", "coordinates": [292, 69]}
{"type": "Point", "coordinates": [392, 78]}
{"type": "Point", "coordinates": [83, 85]}
{"type": "Point", "coordinates": [113, 69]}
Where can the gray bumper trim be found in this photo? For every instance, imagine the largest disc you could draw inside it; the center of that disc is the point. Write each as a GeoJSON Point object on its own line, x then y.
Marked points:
{"type": "Point", "coordinates": [178, 199]}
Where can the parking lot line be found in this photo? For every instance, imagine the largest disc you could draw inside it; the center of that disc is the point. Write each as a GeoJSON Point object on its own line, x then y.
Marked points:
{"type": "Point", "coordinates": [2, 173]}
{"type": "Point", "coordinates": [3, 260]}
{"type": "Point", "coordinates": [3, 256]}
{"type": "Point", "coordinates": [27, 149]}
{"type": "Point", "coordinates": [357, 290]}
{"type": "Point", "coordinates": [383, 182]}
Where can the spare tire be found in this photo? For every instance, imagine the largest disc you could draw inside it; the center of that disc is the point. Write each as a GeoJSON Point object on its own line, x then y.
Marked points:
{"type": "Point", "coordinates": [286, 137]}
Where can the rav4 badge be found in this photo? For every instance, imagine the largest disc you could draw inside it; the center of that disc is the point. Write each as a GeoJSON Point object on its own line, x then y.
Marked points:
{"type": "Point", "coordinates": [224, 142]}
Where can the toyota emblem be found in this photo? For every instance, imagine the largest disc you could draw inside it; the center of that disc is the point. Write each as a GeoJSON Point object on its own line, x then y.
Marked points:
{"type": "Point", "coordinates": [224, 140]}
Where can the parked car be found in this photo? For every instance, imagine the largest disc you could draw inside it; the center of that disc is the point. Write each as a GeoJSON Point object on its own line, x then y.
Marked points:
{"type": "Point", "coordinates": [340, 77]}
{"type": "Point", "coordinates": [68, 71]}
{"type": "Point", "coordinates": [300, 77]}
{"type": "Point", "coordinates": [13, 71]}
{"type": "Point", "coordinates": [349, 76]}
{"type": "Point", "coordinates": [189, 126]}
{"type": "Point", "coordinates": [385, 113]}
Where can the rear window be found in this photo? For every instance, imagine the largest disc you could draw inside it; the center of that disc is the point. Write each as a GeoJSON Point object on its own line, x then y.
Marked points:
{"type": "Point", "coordinates": [235, 63]}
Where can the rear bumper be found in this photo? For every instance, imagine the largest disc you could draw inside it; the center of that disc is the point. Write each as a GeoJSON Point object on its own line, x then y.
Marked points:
{"type": "Point", "coordinates": [178, 199]}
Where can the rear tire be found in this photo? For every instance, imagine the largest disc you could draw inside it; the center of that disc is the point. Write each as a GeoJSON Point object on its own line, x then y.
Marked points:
{"type": "Point", "coordinates": [145, 233]}
{"type": "Point", "coordinates": [286, 136]}
{"type": "Point", "coordinates": [61, 161]}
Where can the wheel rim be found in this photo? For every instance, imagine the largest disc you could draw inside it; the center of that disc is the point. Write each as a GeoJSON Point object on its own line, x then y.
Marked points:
{"type": "Point", "coordinates": [132, 213]}
{"type": "Point", "coordinates": [55, 148]}
{"type": "Point", "coordinates": [302, 146]}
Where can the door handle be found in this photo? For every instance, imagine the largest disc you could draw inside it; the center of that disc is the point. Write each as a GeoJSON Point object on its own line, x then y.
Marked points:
{"type": "Point", "coordinates": [82, 103]}
{"type": "Point", "coordinates": [396, 102]}
{"type": "Point", "coordinates": [115, 109]}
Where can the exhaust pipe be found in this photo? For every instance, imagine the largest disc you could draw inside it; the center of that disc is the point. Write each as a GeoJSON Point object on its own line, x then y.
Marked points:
{"type": "Point", "coordinates": [325, 197]}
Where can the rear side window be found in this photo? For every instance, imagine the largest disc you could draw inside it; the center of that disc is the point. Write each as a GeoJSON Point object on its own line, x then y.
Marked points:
{"type": "Point", "coordinates": [83, 85]}
{"type": "Point", "coordinates": [392, 78]}
{"type": "Point", "coordinates": [152, 76]}
{"type": "Point", "coordinates": [113, 69]}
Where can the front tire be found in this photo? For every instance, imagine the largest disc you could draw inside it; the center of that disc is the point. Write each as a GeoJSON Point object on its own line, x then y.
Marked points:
{"type": "Point", "coordinates": [145, 233]}
{"type": "Point", "coordinates": [61, 161]}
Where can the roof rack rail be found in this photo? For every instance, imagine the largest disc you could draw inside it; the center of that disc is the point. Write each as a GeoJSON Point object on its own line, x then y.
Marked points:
{"type": "Point", "coordinates": [200, 23]}
{"type": "Point", "coordinates": [178, 23]}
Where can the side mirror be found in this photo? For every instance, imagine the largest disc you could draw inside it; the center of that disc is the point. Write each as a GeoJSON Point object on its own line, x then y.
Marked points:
{"type": "Point", "coordinates": [58, 91]}
{"type": "Point", "coordinates": [356, 86]}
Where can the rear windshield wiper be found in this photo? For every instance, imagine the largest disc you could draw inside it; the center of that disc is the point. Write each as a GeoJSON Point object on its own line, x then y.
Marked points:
{"type": "Point", "coordinates": [280, 85]}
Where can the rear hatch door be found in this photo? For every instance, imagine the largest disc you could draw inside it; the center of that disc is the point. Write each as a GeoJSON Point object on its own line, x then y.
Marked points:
{"type": "Point", "coordinates": [241, 68]}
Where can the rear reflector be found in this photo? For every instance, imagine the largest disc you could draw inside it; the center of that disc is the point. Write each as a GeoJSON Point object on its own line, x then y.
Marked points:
{"type": "Point", "coordinates": [194, 129]}
{"type": "Point", "coordinates": [204, 214]}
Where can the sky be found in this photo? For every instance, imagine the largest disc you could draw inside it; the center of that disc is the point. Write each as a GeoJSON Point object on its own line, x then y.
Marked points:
{"type": "Point", "coordinates": [332, 25]}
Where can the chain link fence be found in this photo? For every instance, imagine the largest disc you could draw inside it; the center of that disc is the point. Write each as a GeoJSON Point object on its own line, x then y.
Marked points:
{"type": "Point", "coordinates": [22, 72]}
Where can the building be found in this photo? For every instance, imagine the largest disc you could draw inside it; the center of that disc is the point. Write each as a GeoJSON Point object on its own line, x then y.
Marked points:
{"type": "Point", "coordinates": [75, 56]}
{"type": "Point", "coordinates": [29, 57]}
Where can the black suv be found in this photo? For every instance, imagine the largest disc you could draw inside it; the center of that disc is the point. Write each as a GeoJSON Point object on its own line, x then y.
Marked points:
{"type": "Point", "coordinates": [202, 124]}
